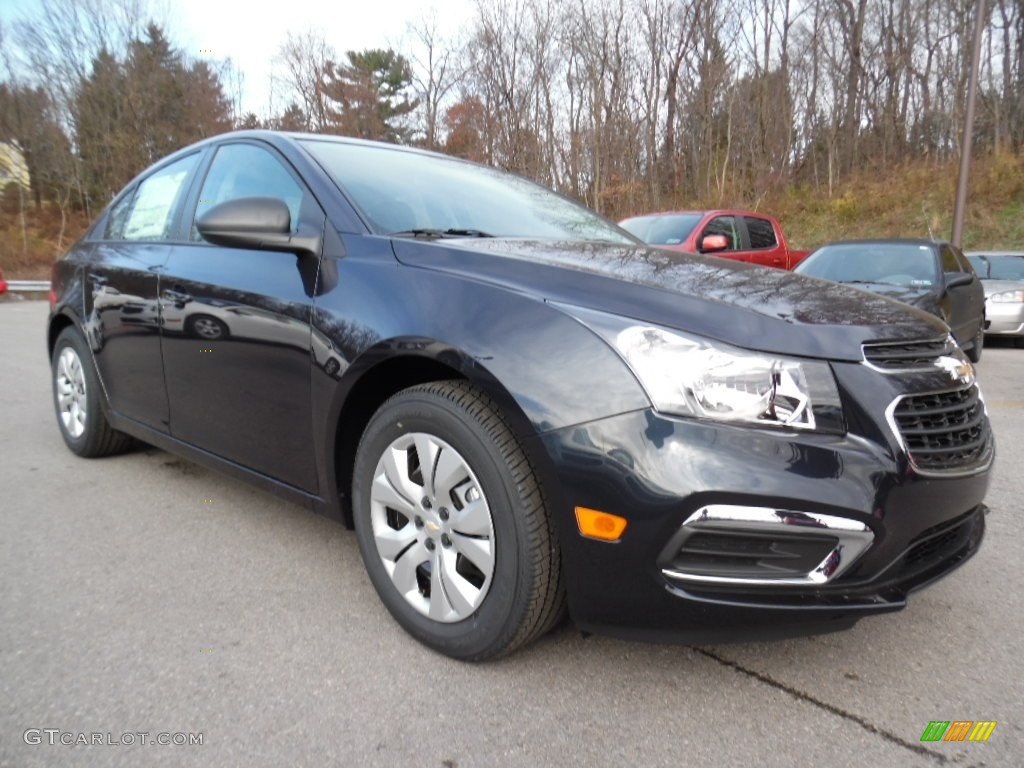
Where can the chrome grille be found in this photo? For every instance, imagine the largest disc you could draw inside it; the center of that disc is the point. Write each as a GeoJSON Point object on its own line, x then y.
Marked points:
{"type": "Point", "coordinates": [909, 355]}
{"type": "Point", "coordinates": [943, 430]}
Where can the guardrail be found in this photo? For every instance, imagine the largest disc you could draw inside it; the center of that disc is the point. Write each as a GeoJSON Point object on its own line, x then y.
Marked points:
{"type": "Point", "coordinates": [29, 286]}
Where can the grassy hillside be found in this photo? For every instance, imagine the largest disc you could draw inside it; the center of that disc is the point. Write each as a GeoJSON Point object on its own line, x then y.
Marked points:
{"type": "Point", "coordinates": [905, 201]}
{"type": "Point", "coordinates": [29, 246]}
{"type": "Point", "coordinates": [911, 201]}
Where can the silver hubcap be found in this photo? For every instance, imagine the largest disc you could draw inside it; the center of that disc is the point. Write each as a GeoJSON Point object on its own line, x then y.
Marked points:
{"type": "Point", "coordinates": [207, 328]}
{"type": "Point", "coordinates": [71, 392]}
{"type": "Point", "coordinates": [432, 526]}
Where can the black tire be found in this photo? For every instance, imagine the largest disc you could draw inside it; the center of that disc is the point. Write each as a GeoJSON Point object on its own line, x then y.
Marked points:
{"type": "Point", "coordinates": [1019, 342]}
{"type": "Point", "coordinates": [974, 353]}
{"type": "Point", "coordinates": [206, 327]}
{"type": "Point", "coordinates": [526, 596]}
{"type": "Point", "coordinates": [96, 438]}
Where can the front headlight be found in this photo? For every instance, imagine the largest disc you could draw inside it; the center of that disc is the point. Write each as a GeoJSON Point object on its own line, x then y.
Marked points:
{"type": "Point", "coordinates": [687, 375]}
{"type": "Point", "coordinates": [1007, 297]}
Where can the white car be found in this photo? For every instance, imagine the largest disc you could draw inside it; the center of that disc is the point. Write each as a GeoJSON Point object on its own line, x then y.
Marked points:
{"type": "Point", "coordinates": [1002, 277]}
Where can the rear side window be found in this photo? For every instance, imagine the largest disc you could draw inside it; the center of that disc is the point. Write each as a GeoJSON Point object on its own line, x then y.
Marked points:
{"type": "Point", "coordinates": [245, 170]}
{"type": "Point", "coordinates": [761, 231]}
{"type": "Point", "coordinates": [148, 213]}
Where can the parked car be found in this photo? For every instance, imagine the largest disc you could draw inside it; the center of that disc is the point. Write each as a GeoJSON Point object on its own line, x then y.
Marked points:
{"type": "Point", "coordinates": [739, 235]}
{"type": "Point", "coordinates": [933, 276]}
{"type": "Point", "coordinates": [3, 283]}
{"type": "Point", "coordinates": [1002, 277]}
{"type": "Point", "coordinates": [518, 406]}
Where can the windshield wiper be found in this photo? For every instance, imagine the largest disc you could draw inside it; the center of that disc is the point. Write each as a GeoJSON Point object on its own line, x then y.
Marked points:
{"type": "Point", "coordinates": [439, 233]}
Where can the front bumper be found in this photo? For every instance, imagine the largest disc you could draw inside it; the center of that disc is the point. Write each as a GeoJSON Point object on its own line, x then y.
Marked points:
{"type": "Point", "coordinates": [659, 472]}
{"type": "Point", "coordinates": [1004, 319]}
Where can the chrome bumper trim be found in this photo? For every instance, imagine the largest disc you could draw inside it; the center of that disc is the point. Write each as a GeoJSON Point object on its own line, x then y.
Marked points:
{"type": "Point", "coordinates": [854, 538]}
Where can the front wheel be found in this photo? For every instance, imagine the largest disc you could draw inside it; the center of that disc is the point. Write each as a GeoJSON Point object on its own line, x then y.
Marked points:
{"type": "Point", "coordinates": [974, 353]}
{"type": "Point", "coordinates": [452, 525]}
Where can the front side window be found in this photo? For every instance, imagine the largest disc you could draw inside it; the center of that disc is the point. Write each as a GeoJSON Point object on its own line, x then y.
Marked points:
{"type": "Point", "coordinates": [148, 213]}
{"type": "Point", "coordinates": [963, 265]}
{"type": "Point", "coordinates": [245, 170]}
{"type": "Point", "coordinates": [761, 231]}
{"type": "Point", "coordinates": [723, 225]}
{"type": "Point", "coordinates": [949, 261]}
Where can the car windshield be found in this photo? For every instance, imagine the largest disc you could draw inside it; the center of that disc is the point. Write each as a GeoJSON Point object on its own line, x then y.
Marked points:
{"type": "Point", "coordinates": [910, 264]}
{"type": "Point", "coordinates": [997, 266]}
{"type": "Point", "coordinates": [662, 229]}
{"type": "Point", "coordinates": [415, 194]}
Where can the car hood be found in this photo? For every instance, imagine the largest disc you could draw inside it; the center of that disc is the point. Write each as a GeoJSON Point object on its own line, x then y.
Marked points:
{"type": "Point", "coordinates": [999, 286]}
{"type": "Point", "coordinates": [738, 303]}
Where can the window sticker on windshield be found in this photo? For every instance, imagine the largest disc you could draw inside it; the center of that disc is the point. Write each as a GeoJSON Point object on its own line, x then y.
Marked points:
{"type": "Point", "coordinates": [673, 241]}
{"type": "Point", "coordinates": [920, 282]}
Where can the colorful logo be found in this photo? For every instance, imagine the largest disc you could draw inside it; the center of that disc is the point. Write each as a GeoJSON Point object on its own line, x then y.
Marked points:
{"type": "Point", "coordinates": [958, 730]}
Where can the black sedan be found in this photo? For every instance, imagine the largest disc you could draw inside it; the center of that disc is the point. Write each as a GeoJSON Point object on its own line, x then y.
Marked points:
{"type": "Point", "coordinates": [934, 276]}
{"type": "Point", "coordinates": [519, 408]}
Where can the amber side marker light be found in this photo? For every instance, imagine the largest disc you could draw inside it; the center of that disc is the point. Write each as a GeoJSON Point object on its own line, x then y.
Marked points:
{"type": "Point", "coordinates": [604, 526]}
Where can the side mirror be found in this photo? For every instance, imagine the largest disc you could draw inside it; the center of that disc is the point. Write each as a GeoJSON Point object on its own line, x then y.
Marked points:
{"type": "Point", "coordinates": [714, 243]}
{"type": "Point", "coordinates": [259, 223]}
{"type": "Point", "coordinates": [956, 279]}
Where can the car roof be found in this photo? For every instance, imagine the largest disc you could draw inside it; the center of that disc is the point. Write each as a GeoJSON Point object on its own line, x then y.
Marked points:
{"type": "Point", "coordinates": [714, 212]}
{"type": "Point", "coordinates": [890, 241]}
{"type": "Point", "coordinates": [293, 137]}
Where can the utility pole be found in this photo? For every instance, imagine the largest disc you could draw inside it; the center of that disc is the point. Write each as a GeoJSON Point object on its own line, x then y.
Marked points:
{"type": "Point", "coordinates": [968, 137]}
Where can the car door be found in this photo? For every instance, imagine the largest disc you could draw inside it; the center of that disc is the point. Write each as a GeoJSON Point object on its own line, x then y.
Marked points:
{"type": "Point", "coordinates": [729, 228]}
{"type": "Point", "coordinates": [122, 313]}
{"type": "Point", "coordinates": [236, 331]}
{"type": "Point", "coordinates": [975, 294]}
{"type": "Point", "coordinates": [956, 301]}
{"type": "Point", "coordinates": [763, 243]}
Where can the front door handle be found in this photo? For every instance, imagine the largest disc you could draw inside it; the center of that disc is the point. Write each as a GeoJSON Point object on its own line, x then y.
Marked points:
{"type": "Point", "coordinates": [177, 295]}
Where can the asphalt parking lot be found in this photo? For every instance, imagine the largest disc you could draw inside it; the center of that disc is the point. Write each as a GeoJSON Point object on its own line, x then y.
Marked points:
{"type": "Point", "coordinates": [143, 594]}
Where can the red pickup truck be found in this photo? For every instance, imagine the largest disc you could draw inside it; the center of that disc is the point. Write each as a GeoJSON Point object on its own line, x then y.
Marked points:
{"type": "Point", "coordinates": [740, 235]}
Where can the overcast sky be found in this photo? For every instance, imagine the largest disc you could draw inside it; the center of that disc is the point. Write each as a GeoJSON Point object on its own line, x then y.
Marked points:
{"type": "Point", "coordinates": [249, 32]}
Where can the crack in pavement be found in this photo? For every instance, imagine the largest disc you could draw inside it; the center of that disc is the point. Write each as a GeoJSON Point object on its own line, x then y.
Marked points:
{"type": "Point", "coordinates": [798, 694]}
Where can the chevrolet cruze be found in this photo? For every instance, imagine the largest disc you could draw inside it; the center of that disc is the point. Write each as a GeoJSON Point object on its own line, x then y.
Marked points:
{"type": "Point", "coordinates": [519, 408]}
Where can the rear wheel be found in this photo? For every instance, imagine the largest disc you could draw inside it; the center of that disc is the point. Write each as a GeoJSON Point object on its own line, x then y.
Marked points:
{"type": "Point", "coordinates": [76, 399]}
{"type": "Point", "coordinates": [452, 524]}
{"type": "Point", "coordinates": [205, 327]}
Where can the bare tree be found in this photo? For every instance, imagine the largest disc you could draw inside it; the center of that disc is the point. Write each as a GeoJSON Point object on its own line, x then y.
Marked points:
{"type": "Point", "coordinates": [305, 58]}
{"type": "Point", "coordinates": [434, 74]}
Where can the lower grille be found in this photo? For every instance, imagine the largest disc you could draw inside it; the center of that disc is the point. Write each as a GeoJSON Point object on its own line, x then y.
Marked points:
{"type": "Point", "coordinates": [938, 545]}
{"type": "Point", "coordinates": [944, 430]}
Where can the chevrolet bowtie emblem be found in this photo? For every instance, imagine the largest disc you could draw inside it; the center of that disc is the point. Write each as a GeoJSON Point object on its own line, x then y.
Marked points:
{"type": "Point", "coordinates": [958, 370]}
